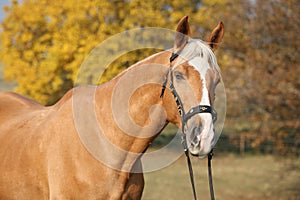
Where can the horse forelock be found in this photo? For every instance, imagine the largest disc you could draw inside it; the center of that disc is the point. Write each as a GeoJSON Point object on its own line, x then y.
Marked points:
{"type": "Point", "coordinates": [197, 48]}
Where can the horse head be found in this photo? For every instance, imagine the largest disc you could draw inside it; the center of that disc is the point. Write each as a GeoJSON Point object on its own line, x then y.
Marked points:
{"type": "Point", "coordinates": [193, 76]}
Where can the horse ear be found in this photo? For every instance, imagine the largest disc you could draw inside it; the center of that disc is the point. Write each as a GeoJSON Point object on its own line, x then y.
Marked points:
{"type": "Point", "coordinates": [216, 36]}
{"type": "Point", "coordinates": [182, 33]}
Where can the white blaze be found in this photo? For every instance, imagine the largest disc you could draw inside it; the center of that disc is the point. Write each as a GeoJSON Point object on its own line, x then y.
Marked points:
{"type": "Point", "coordinates": [201, 65]}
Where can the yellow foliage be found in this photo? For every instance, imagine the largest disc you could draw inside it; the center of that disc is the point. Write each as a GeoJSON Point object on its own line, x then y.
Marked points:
{"type": "Point", "coordinates": [44, 42]}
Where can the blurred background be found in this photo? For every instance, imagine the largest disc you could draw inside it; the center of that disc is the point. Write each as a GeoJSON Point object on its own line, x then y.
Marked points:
{"type": "Point", "coordinates": [44, 42]}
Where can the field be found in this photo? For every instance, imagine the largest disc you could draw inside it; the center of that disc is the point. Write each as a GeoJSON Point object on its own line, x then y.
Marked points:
{"type": "Point", "coordinates": [235, 178]}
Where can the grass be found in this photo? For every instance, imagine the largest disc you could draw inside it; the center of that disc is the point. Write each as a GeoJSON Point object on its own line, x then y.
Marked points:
{"type": "Point", "coordinates": [241, 178]}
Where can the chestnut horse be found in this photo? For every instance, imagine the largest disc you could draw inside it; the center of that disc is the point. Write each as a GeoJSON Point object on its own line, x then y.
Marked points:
{"type": "Point", "coordinates": [83, 148]}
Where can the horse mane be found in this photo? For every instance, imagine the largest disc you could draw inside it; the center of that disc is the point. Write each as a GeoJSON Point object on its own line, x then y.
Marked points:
{"type": "Point", "coordinates": [193, 48]}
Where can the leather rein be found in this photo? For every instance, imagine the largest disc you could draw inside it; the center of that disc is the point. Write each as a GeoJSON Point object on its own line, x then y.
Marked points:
{"type": "Point", "coordinates": [184, 118]}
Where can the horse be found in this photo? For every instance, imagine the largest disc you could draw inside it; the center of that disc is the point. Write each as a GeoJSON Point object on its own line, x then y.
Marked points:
{"type": "Point", "coordinates": [43, 155]}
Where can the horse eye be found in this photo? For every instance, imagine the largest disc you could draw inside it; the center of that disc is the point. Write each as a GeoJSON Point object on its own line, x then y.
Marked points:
{"type": "Point", "coordinates": [179, 76]}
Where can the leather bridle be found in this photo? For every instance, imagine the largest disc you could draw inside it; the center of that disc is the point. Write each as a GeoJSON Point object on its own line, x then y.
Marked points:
{"type": "Point", "coordinates": [184, 119]}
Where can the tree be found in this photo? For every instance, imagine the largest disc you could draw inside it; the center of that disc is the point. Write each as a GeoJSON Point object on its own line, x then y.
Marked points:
{"type": "Point", "coordinates": [274, 91]}
{"type": "Point", "coordinates": [44, 42]}
{"type": "Point", "coordinates": [260, 64]}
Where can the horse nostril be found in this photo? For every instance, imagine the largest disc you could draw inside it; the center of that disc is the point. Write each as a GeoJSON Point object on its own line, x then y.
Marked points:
{"type": "Point", "coordinates": [194, 143]}
{"type": "Point", "coordinates": [195, 136]}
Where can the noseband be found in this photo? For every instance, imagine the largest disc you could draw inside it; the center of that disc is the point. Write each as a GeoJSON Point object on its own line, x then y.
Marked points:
{"type": "Point", "coordinates": [184, 119]}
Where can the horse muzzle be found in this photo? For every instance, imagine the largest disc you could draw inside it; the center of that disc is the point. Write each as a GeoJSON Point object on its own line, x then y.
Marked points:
{"type": "Point", "coordinates": [200, 137]}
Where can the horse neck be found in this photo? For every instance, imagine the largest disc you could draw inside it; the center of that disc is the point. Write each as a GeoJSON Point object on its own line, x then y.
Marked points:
{"type": "Point", "coordinates": [117, 121]}
{"type": "Point", "coordinates": [136, 110]}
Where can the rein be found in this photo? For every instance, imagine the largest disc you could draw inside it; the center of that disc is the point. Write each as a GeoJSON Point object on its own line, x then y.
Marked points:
{"type": "Point", "coordinates": [184, 118]}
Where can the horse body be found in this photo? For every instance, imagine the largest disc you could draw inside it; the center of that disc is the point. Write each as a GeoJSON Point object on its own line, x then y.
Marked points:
{"type": "Point", "coordinates": [57, 152]}
{"type": "Point", "coordinates": [42, 156]}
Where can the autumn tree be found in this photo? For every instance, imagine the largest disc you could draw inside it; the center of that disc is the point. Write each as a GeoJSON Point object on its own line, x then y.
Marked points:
{"type": "Point", "coordinates": [44, 42]}
{"type": "Point", "coordinates": [274, 90]}
{"type": "Point", "coordinates": [260, 64]}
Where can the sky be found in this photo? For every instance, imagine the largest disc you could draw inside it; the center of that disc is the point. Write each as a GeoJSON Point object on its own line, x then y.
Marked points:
{"type": "Point", "coordinates": [3, 3]}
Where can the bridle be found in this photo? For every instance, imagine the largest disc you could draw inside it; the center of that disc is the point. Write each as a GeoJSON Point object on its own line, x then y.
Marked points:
{"type": "Point", "coordinates": [184, 119]}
